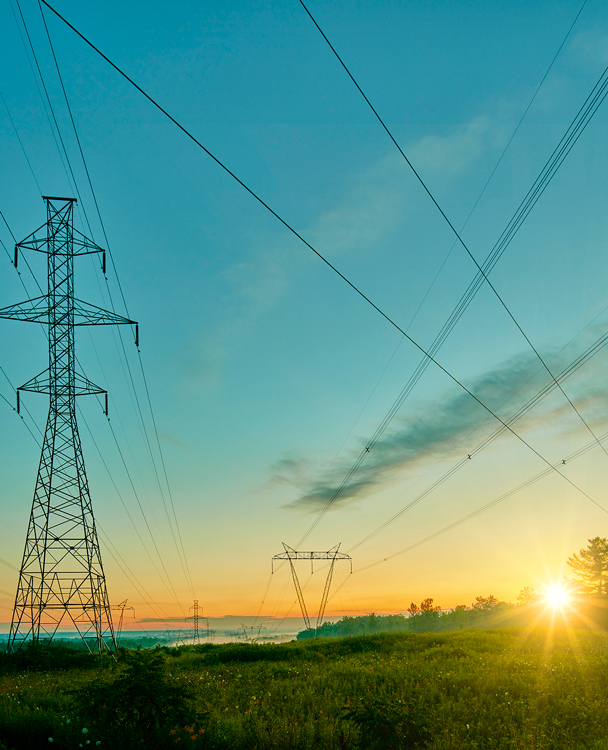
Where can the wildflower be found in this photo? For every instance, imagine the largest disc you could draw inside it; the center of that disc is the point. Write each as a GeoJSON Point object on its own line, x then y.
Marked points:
{"type": "Point", "coordinates": [84, 730]}
{"type": "Point", "coordinates": [51, 739]}
{"type": "Point", "coordinates": [67, 721]}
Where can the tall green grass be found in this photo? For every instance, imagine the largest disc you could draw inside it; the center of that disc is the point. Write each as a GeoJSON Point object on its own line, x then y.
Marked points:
{"type": "Point", "coordinates": [503, 688]}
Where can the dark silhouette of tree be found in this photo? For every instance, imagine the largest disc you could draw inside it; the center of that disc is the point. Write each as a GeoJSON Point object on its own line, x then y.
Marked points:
{"type": "Point", "coordinates": [485, 602]}
{"type": "Point", "coordinates": [426, 605]}
{"type": "Point", "coordinates": [591, 566]}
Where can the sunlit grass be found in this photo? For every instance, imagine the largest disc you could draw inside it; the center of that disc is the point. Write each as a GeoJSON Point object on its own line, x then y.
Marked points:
{"type": "Point", "coordinates": [497, 689]}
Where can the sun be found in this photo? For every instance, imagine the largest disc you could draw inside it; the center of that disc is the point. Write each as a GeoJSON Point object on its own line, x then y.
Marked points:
{"type": "Point", "coordinates": [557, 595]}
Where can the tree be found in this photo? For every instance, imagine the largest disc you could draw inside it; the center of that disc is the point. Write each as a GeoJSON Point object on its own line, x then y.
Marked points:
{"type": "Point", "coordinates": [485, 603]}
{"type": "Point", "coordinates": [527, 596]}
{"type": "Point", "coordinates": [426, 605]}
{"type": "Point", "coordinates": [591, 566]}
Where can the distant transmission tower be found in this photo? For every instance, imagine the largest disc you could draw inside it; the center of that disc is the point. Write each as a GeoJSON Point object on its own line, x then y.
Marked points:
{"type": "Point", "coordinates": [196, 618]}
{"type": "Point", "coordinates": [332, 554]}
{"type": "Point", "coordinates": [121, 608]}
{"type": "Point", "coordinates": [61, 581]}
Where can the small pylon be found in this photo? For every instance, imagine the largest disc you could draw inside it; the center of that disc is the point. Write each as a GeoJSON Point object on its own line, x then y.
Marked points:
{"type": "Point", "coordinates": [196, 616]}
{"type": "Point", "coordinates": [121, 608]}
{"type": "Point", "coordinates": [332, 554]}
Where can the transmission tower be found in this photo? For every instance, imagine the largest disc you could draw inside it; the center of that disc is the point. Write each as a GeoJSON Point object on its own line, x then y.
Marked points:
{"type": "Point", "coordinates": [61, 580]}
{"type": "Point", "coordinates": [333, 554]}
{"type": "Point", "coordinates": [121, 608]}
{"type": "Point", "coordinates": [196, 620]}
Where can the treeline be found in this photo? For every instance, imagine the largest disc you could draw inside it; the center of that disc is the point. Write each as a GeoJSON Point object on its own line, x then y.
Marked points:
{"type": "Point", "coordinates": [585, 605]}
{"type": "Point", "coordinates": [77, 644]}
{"type": "Point", "coordinates": [485, 613]}
{"type": "Point", "coordinates": [428, 619]}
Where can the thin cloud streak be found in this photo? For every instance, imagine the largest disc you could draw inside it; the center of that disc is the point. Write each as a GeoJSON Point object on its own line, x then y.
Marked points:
{"type": "Point", "coordinates": [438, 428]}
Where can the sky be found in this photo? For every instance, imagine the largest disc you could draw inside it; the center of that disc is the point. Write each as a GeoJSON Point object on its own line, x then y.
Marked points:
{"type": "Point", "coordinates": [268, 375]}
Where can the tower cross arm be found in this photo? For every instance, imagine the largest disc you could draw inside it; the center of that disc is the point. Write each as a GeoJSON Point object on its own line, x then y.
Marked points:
{"type": "Point", "coordinates": [39, 241]}
{"type": "Point", "coordinates": [293, 554]}
{"type": "Point", "coordinates": [34, 310]}
{"type": "Point", "coordinates": [86, 314]}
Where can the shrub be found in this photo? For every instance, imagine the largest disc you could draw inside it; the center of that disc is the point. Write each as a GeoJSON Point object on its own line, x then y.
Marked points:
{"type": "Point", "coordinates": [388, 725]}
{"type": "Point", "coordinates": [141, 702]}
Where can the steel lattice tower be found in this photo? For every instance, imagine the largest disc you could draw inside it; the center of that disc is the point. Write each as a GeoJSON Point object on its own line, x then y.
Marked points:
{"type": "Point", "coordinates": [61, 581]}
{"type": "Point", "coordinates": [196, 635]}
{"type": "Point", "coordinates": [332, 554]}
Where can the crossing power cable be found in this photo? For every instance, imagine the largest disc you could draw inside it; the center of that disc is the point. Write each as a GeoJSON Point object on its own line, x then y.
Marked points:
{"type": "Point", "coordinates": [595, 99]}
{"type": "Point", "coordinates": [566, 373]}
{"type": "Point", "coordinates": [20, 141]}
{"type": "Point", "coordinates": [559, 154]}
{"type": "Point", "coordinates": [166, 582]}
{"type": "Point", "coordinates": [319, 255]}
{"type": "Point", "coordinates": [582, 359]}
{"type": "Point", "coordinates": [478, 511]}
{"type": "Point", "coordinates": [532, 480]}
{"type": "Point", "coordinates": [179, 546]}
{"type": "Point", "coordinates": [181, 552]}
{"type": "Point", "coordinates": [63, 148]}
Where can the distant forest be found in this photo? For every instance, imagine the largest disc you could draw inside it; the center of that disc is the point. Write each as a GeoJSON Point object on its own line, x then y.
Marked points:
{"type": "Point", "coordinates": [485, 613]}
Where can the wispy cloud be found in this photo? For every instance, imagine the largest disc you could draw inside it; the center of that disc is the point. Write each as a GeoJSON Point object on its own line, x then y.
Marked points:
{"type": "Point", "coordinates": [374, 202]}
{"type": "Point", "coordinates": [592, 45]}
{"type": "Point", "coordinates": [385, 194]}
{"type": "Point", "coordinates": [438, 427]}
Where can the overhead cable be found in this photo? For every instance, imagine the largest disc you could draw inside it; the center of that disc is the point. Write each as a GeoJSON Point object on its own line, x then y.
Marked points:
{"type": "Point", "coordinates": [567, 372]}
{"type": "Point", "coordinates": [592, 103]}
{"type": "Point", "coordinates": [180, 547]}
{"type": "Point", "coordinates": [316, 252]}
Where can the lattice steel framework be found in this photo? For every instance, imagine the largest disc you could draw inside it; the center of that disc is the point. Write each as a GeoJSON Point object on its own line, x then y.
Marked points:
{"type": "Point", "coordinates": [61, 581]}
{"type": "Point", "coordinates": [332, 554]}
{"type": "Point", "coordinates": [196, 618]}
{"type": "Point", "coordinates": [121, 608]}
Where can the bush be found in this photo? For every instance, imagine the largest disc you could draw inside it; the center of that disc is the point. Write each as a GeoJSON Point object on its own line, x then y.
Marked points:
{"type": "Point", "coordinates": [47, 657]}
{"type": "Point", "coordinates": [388, 725]}
{"type": "Point", "coordinates": [140, 703]}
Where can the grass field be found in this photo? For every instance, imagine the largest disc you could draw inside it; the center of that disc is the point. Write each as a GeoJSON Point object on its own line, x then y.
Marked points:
{"type": "Point", "coordinates": [447, 691]}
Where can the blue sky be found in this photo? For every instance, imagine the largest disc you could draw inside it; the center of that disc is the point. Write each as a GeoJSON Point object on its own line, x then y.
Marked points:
{"type": "Point", "coordinates": [267, 373]}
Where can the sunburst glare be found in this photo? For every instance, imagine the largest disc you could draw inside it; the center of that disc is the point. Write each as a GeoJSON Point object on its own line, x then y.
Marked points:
{"type": "Point", "coordinates": [557, 595]}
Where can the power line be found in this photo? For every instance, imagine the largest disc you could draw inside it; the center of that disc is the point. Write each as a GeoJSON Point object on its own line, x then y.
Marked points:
{"type": "Point", "coordinates": [20, 141]}
{"type": "Point", "coordinates": [451, 226]}
{"type": "Point", "coordinates": [180, 547]}
{"type": "Point", "coordinates": [50, 104]}
{"type": "Point", "coordinates": [537, 477]}
{"type": "Point", "coordinates": [181, 552]}
{"type": "Point", "coordinates": [573, 132]}
{"type": "Point", "coordinates": [316, 252]}
{"type": "Point", "coordinates": [567, 372]}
